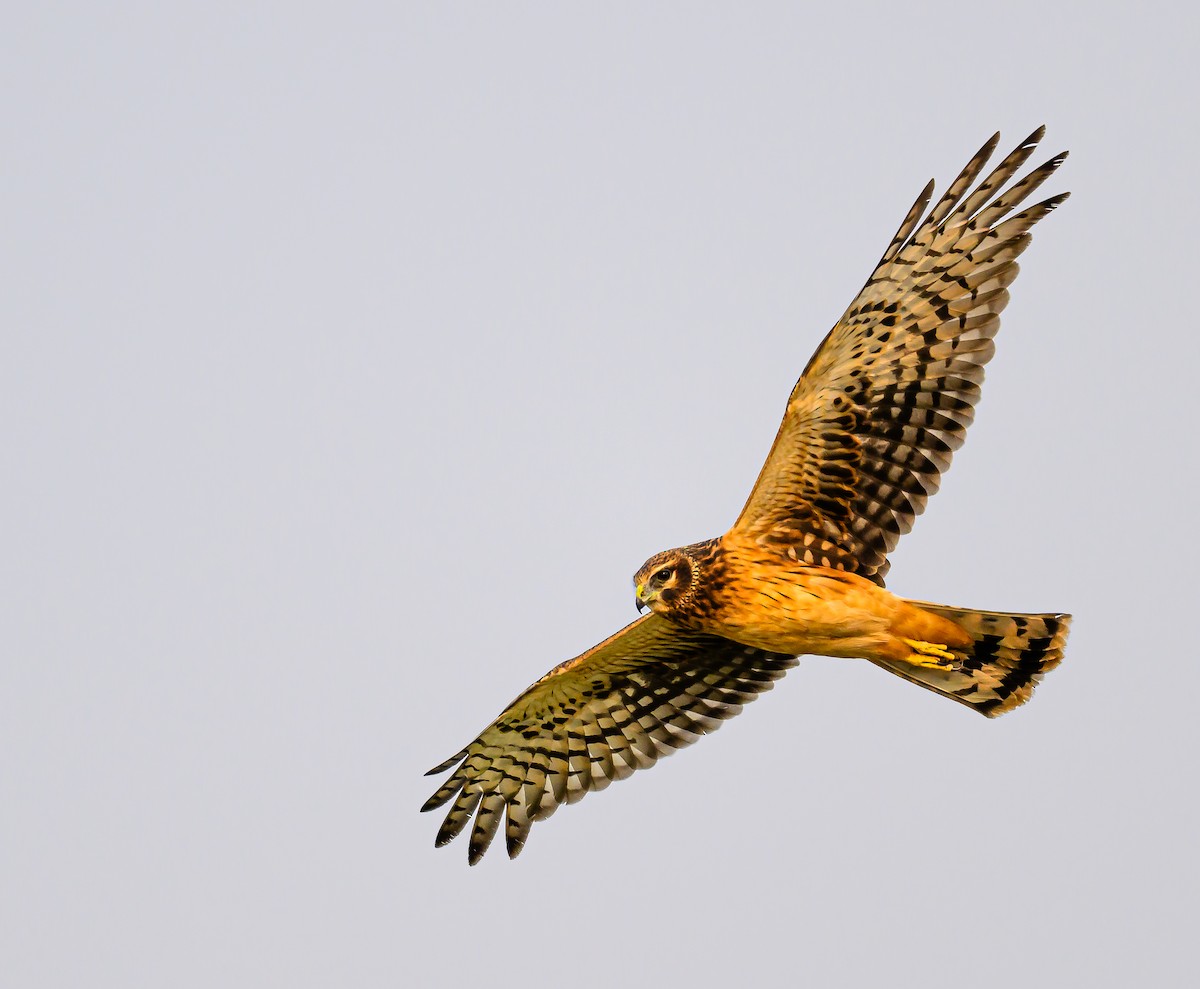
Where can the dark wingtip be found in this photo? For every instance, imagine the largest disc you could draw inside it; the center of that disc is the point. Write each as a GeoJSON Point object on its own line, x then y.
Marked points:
{"type": "Point", "coordinates": [448, 764]}
{"type": "Point", "coordinates": [1057, 160]}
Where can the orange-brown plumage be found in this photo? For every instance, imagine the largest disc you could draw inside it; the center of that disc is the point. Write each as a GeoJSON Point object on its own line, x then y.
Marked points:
{"type": "Point", "coordinates": [760, 598]}
{"type": "Point", "coordinates": [867, 433]}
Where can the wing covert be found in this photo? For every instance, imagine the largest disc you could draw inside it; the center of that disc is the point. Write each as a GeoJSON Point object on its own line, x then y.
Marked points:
{"type": "Point", "coordinates": [643, 693]}
{"type": "Point", "coordinates": [872, 423]}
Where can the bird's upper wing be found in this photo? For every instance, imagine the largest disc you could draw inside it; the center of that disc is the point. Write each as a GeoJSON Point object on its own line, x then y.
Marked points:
{"type": "Point", "coordinates": [646, 691]}
{"type": "Point", "coordinates": [887, 397]}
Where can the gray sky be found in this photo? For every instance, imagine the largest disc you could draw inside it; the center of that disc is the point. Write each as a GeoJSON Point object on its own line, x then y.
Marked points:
{"type": "Point", "coordinates": [354, 358]}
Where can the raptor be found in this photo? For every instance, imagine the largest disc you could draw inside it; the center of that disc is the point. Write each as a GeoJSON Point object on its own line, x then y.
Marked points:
{"type": "Point", "coordinates": [868, 431]}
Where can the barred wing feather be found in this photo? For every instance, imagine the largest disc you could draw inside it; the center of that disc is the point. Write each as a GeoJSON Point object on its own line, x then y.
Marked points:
{"type": "Point", "coordinates": [885, 401]}
{"type": "Point", "coordinates": [643, 693]}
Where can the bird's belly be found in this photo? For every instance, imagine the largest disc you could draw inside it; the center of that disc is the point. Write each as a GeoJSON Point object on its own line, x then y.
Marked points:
{"type": "Point", "coordinates": [813, 612]}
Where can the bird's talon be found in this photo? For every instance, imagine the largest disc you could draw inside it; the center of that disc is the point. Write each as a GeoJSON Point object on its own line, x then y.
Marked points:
{"type": "Point", "coordinates": [933, 655]}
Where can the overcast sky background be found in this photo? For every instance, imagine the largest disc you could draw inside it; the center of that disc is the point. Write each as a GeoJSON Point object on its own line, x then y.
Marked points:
{"type": "Point", "coordinates": [354, 358]}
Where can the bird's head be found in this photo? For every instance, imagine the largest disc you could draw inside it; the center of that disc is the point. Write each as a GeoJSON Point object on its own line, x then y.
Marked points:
{"type": "Point", "coordinates": [665, 581]}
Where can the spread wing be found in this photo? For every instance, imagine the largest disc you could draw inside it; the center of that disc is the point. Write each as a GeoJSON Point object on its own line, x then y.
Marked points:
{"type": "Point", "coordinates": [646, 691]}
{"type": "Point", "coordinates": [887, 398]}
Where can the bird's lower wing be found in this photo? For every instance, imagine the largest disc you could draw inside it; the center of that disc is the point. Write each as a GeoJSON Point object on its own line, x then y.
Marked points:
{"type": "Point", "coordinates": [646, 691]}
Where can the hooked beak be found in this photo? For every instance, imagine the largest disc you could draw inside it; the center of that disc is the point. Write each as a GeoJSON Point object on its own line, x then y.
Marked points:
{"type": "Point", "coordinates": [637, 600]}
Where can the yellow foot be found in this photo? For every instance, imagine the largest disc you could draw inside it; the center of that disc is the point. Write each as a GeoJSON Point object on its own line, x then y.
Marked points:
{"type": "Point", "coordinates": [931, 654]}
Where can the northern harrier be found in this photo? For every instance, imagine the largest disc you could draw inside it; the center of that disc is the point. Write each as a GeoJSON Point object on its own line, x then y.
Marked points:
{"type": "Point", "coordinates": [868, 431]}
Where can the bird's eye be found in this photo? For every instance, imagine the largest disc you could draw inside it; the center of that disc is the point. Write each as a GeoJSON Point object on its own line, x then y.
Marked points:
{"type": "Point", "coordinates": [663, 575]}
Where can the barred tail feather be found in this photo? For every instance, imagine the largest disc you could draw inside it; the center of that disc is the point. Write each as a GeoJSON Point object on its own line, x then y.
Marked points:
{"type": "Point", "coordinates": [1007, 658]}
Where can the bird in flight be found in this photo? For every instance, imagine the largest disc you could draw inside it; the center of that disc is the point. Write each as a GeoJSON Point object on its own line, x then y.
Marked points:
{"type": "Point", "coordinates": [868, 431]}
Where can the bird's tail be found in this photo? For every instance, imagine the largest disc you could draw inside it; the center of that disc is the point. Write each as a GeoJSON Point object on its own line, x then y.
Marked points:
{"type": "Point", "coordinates": [1004, 662]}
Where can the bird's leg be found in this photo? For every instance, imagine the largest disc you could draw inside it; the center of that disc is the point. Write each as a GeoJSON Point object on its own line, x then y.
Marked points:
{"type": "Point", "coordinates": [930, 654]}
